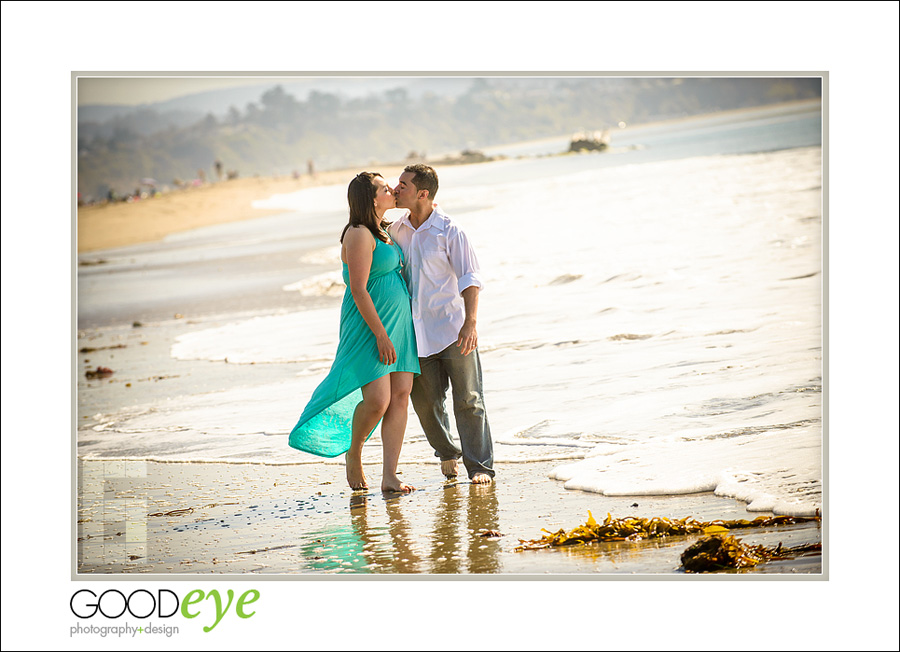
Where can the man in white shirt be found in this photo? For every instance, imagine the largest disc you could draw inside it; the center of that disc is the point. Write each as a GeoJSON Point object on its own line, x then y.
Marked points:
{"type": "Point", "coordinates": [443, 278]}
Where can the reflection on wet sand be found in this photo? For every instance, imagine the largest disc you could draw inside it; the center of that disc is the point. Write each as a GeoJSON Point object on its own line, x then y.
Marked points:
{"type": "Point", "coordinates": [387, 542]}
{"type": "Point", "coordinates": [334, 550]}
{"type": "Point", "coordinates": [385, 547]}
{"type": "Point", "coordinates": [448, 538]}
{"type": "Point", "coordinates": [616, 554]}
{"type": "Point", "coordinates": [405, 559]}
{"type": "Point", "coordinates": [445, 554]}
{"type": "Point", "coordinates": [482, 517]}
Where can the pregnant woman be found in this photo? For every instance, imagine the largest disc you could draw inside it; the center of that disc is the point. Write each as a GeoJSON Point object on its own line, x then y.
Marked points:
{"type": "Point", "coordinates": [376, 359]}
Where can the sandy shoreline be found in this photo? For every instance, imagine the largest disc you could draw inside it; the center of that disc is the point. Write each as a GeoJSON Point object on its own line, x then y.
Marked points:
{"type": "Point", "coordinates": [301, 520]}
{"type": "Point", "coordinates": [103, 226]}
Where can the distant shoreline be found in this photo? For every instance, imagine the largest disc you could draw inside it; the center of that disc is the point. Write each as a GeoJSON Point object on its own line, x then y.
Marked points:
{"type": "Point", "coordinates": [121, 224]}
{"type": "Point", "coordinates": [778, 107]}
{"type": "Point", "coordinates": [798, 104]}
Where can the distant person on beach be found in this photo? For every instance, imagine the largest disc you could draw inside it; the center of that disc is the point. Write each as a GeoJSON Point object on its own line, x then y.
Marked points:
{"type": "Point", "coordinates": [442, 273]}
{"type": "Point", "coordinates": [376, 359]}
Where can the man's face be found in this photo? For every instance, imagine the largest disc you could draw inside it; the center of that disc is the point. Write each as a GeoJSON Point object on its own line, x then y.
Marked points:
{"type": "Point", "coordinates": [405, 193]}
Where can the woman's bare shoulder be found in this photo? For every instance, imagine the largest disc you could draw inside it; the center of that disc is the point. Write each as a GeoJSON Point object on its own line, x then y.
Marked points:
{"type": "Point", "coordinates": [357, 240]}
{"type": "Point", "coordinates": [359, 233]}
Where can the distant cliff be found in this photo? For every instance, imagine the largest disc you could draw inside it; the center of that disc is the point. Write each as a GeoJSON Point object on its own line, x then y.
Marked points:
{"type": "Point", "coordinates": [280, 134]}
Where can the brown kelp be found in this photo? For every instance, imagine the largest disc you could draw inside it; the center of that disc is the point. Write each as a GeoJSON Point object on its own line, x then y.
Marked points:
{"type": "Point", "coordinates": [632, 528]}
{"type": "Point", "coordinates": [721, 551]}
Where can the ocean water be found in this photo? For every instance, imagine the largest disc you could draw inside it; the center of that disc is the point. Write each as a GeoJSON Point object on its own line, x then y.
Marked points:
{"type": "Point", "coordinates": [652, 317]}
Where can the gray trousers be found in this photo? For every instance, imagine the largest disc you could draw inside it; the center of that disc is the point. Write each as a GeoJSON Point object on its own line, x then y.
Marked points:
{"type": "Point", "coordinates": [429, 395]}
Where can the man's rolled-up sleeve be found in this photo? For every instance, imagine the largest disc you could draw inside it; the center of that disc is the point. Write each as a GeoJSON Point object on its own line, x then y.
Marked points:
{"type": "Point", "coordinates": [464, 262]}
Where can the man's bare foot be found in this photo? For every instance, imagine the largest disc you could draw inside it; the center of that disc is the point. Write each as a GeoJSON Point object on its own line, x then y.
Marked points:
{"type": "Point", "coordinates": [482, 478]}
{"type": "Point", "coordinates": [394, 484]}
{"type": "Point", "coordinates": [356, 478]}
{"type": "Point", "coordinates": [450, 469]}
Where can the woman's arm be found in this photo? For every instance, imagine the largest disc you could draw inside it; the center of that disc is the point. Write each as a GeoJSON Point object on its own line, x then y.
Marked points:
{"type": "Point", "coordinates": [359, 244]}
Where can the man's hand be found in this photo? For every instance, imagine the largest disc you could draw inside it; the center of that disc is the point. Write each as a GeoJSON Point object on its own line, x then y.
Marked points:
{"type": "Point", "coordinates": [468, 337]}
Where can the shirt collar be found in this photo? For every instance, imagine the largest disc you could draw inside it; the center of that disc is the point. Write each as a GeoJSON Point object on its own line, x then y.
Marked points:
{"type": "Point", "coordinates": [437, 221]}
{"type": "Point", "coordinates": [403, 219]}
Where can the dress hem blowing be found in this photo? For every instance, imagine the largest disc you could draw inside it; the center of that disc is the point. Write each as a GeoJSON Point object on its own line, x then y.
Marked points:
{"type": "Point", "coordinates": [325, 427]}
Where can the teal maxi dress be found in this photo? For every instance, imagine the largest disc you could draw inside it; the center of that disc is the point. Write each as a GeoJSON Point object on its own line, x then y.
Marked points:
{"type": "Point", "coordinates": [324, 427]}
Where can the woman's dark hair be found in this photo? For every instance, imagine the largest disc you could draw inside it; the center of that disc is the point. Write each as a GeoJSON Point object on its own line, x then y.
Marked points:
{"type": "Point", "coordinates": [361, 197]}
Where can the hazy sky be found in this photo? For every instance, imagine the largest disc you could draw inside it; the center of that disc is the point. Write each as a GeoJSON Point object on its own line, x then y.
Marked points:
{"type": "Point", "coordinates": [149, 89]}
{"type": "Point", "coordinates": [145, 88]}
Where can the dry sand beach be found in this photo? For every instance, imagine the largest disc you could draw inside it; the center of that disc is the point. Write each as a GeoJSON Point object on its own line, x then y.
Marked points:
{"type": "Point", "coordinates": [120, 224]}
{"type": "Point", "coordinates": [301, 519]}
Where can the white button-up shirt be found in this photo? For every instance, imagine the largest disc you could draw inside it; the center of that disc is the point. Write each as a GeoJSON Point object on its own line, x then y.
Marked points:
{"type": "Point", "coordinates": [440, 264]}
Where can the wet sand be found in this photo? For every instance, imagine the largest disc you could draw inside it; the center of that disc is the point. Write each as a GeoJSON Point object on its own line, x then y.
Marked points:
{"type": "Point", "coordinates": [181, 518]}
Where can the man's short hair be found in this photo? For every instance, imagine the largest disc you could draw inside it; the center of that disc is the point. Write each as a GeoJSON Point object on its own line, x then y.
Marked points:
{"type": "Point", "coordinates": [424, 178]}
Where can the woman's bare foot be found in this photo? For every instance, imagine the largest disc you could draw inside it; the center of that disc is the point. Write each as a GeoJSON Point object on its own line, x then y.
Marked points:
{"type": "Point", "coordinates": [394, 484]}
{"type": "Point", "coordinates": [356, 478]}
{"type": "Point", "coordinates": [482, 478]}
{"type": "Point", "coordinates": [450, 469]}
